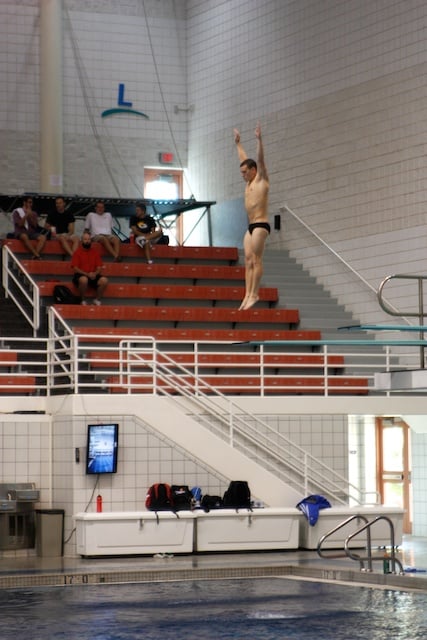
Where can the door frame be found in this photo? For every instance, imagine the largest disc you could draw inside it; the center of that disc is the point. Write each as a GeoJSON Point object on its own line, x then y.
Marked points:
{"type": "Point", "coordinates": [381, 423]}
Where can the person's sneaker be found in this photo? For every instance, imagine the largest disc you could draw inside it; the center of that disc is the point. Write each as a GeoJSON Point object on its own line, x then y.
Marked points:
{"type": "Point", "coordinates": [97, 301]}
{"type": "Point", "coordinates": [149, 262]}
{"type": "Point", "coordinates": [84, 303]}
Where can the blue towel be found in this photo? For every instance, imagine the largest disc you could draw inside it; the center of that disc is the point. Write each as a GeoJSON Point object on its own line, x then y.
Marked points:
{"type": "Point", "coordinates": [311, 506]}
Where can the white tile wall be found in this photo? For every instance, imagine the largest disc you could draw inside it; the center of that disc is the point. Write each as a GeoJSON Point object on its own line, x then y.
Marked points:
{"type": "Point", "coordinates": [340, 89]}
{"type": "Point", "coordinates": [419, 483]}
{"type": "Point", "coordinates": [105, 43]}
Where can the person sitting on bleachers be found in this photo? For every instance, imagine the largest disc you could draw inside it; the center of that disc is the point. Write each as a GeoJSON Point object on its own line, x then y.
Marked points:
{"type": "Point", "coordinates": [27, 229]}
{"type": "Point", "coordinates": [61, 224]}
{"type": "Point", "coordinates": [145, 230]}
{"type": "Point", "coordinates": [86, 263]}
{"type": "Point", "coordinates": [100, 225]}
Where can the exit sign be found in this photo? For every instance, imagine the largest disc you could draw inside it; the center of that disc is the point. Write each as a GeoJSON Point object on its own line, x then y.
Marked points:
{"type": "Point", "coordinates": [166, 158]}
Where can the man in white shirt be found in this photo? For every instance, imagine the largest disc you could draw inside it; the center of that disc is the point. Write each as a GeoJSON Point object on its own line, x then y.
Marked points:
{"type": "Point", "coordinates": [99, 223]}
{"type": "Point", "coordinates": [26, 228]}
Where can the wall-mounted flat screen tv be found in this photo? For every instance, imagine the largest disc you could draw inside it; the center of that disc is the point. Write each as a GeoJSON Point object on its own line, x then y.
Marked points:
{"type": "Point", "coordinates": [102, 448]}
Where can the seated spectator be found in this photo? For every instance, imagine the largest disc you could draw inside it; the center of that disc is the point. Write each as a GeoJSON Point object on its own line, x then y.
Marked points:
{"type": "Point", "coordinates": [145, 230]}
{"type": "Point", "coordinates": [27, 229]}
{"type": "Point", "coordinates": [86, 263]}
{"type": "Point", "coordinates": [61, 225]}
{"type": "Point", "coordinates": [100, 225]}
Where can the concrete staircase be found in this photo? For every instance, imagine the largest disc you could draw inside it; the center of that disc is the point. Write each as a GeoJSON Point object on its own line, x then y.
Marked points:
{"type": "Point", "coordinates": [299, 290]}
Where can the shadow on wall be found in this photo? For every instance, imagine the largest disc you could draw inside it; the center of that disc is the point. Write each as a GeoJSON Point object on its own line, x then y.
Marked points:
{"type": "Point", "coordinates": [229, 223]}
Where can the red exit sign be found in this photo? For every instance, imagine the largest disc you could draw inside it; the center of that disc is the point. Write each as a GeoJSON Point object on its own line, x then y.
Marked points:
{"type": "Point", "coordinates": [166, 158]}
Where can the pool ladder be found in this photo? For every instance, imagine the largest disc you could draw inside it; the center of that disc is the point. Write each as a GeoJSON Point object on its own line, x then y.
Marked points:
{"type": "Point", "coordinates": [369, 558]}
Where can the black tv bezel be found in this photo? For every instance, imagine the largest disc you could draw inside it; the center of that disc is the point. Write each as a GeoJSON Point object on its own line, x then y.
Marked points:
{"type": "Point", "coordinates": [91, 428]}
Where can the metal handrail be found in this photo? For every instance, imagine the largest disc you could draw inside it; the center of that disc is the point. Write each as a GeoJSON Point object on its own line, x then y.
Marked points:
{"type": "Point", "coordinates": [420, 314]}
{"type": "Point", "coordinates": [339, 526]}
{"type": "Point", "coordinates": [369, 558]}
{"type": "Point", "coordinates": [244, 431]}
{"type": "Point", "coordinates": [367, 527]}
{"type": "Point", "coordinates": [23, 283]}
{"type": "Point", "coordinates": [335, 253]}
{"type": "Point", "coordinates": [328, 247]}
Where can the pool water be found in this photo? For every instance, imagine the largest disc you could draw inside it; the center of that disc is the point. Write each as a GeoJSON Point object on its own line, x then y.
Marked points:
{"type": "Point", "coordinates": [256, 609]}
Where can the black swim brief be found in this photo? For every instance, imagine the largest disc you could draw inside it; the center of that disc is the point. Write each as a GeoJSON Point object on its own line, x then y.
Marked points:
{"type": "Point", "coordinates": [259, 225]}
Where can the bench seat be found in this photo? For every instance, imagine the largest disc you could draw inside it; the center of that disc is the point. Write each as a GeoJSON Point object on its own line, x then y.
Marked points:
{"type": "Point", "coordinates": [113, 315]}
{"type": "Point", "coordinates": [158, 292]}
{"type": "Point", "coordinates": [193, 274]}
{"type": "Point", "coordinates": [247, 384]}
{"type": "Point", "coordinates": [226, 255]}
{"type": "Point", "coordinates": [110, 359]}
{"type": "Point", "coordinates": [114, 334]}
{"type": "Point", "coordinates": [20, 383]}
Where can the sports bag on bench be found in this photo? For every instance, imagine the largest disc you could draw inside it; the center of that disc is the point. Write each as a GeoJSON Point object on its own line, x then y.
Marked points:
{"type": "Point", "coordinates": [238, 495]}
{"type": "Point", "coordinates": [159, 497]}
{"type": "Point", "coordinates": [64, 295]}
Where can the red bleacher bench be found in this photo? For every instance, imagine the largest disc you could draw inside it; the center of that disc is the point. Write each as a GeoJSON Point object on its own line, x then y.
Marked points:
{"type": "Point", "coordinates": [243, 385]}
{"type": "Point", "coordinates": [113, 334]}
{"type": "Point", "coordinates": [169, 292]}
{"type": "Point", "coordinates": [110, 359]}
{"type": "Point", "coordinates": [141, 270]}
{"type": "Point", "coordinates": [23, 384]}
{"type": "Point", "coordinates": [173, 253]}
{"type": "Point", "coordinates": [8, 357]}
{"type": "Point", "coordinates": [178, 314]}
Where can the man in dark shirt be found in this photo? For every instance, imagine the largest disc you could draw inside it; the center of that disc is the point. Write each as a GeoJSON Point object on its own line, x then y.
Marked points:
{"type": "Point", "coordinates": [145, 230]}
{"type": "Point", "coordinates": [61, 225]}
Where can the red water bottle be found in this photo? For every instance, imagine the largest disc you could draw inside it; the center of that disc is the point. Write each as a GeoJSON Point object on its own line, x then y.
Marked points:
{"type": "Point", "coordinates": [99, 504]}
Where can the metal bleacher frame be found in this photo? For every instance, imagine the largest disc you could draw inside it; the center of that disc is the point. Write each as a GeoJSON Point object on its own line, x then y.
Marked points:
{"type": "Point", "coordinates": [165, 212]}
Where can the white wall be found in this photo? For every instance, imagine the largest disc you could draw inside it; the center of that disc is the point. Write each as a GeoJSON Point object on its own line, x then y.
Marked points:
{"type": "Point", "coordinates": [141, 45]}
{"type": "Point", "coordinates": [340, 89]}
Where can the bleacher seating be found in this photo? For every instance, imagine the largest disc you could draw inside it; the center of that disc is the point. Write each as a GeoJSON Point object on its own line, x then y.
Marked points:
{"type": "Point", "coordinates": [190, 294]}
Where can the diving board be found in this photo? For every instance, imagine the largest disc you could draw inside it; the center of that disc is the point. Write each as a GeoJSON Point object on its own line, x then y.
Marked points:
{"type": "Point", "coordinates": [421, 328]}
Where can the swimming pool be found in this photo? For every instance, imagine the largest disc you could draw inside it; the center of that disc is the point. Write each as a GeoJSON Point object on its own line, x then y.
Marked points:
{"type": "Point", "coordinates": [256, 609]}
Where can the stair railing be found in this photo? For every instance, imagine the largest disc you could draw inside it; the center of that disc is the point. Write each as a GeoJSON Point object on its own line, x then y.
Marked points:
{"type": "Point", "coordinates": [222, 415]}
{"type": "Point", "coordinates": [21, 288]}
{"type": "Point", "coordinates": [243, 430]}
{"type": "Point", "coordinates": [336, 254]}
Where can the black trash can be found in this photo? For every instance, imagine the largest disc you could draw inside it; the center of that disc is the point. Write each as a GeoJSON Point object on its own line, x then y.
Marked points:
{"type": "Point", "coordinates": [50, 532]}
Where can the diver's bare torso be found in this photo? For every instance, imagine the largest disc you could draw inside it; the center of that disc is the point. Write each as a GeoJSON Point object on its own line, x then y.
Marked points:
{"type": "Point", "coordinates": [256, 200]}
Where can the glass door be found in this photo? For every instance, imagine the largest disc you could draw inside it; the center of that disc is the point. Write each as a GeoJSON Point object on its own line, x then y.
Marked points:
{"type": "Point", "coordinates": [394, 474]}
{"type": "Point", "coordinates": [166, 184]}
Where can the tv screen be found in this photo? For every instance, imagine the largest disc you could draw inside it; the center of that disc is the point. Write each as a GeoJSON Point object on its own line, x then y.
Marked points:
{"type": "Point", "coordinates": [102, 448]}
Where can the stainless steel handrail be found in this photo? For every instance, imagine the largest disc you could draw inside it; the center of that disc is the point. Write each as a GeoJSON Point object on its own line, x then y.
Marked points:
{"type": "Point", "coordinates": [328, 247]}
{"type": "Point", "coordinates": [392, 311]}
{"type": "Point", "coordinates": [339, 526]}
{"type": "Point", "coordinates": [367, 527]}
{"type": "Point", "coordinates": [337, 255]}
{"type": "Point", "coordinates": [369, 558]}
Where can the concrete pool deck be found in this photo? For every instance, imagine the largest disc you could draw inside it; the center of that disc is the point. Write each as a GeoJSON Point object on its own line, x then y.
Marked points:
{"type": "Point", "coordinates": [26, 569]}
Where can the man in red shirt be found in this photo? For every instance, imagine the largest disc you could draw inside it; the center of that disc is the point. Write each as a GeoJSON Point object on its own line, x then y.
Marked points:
{"type": "Point", "coordinates": [86, 263]}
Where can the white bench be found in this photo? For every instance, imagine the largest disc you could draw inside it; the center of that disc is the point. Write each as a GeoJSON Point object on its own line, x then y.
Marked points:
{"type": "Point", "coordinates": [134, 533]}
{"type": "Point", "coordinates": [245, 530]}
{"type": "Point", "coordinates": [144, 532]}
